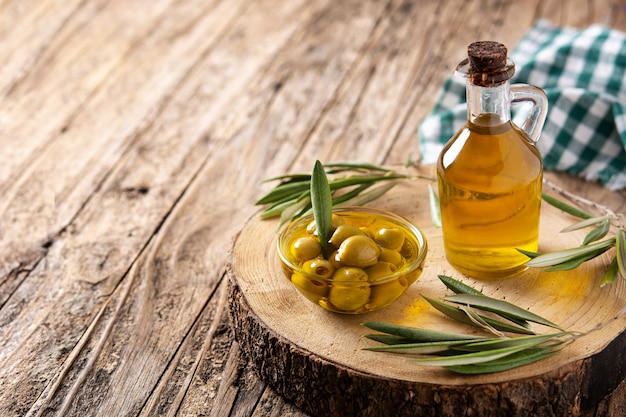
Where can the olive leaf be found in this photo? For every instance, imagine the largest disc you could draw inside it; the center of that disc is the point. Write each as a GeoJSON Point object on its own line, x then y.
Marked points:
{"type": "Point", "coordinates": [361, 198]}
{"type": "Point", "coordinates": [603, 226]}
{"type": "Point", "coordinates": [322, 204]}
{"type": "Point", "coordinates": [467, 316]}
{"type": "Point", "coordinates": [611, 273]}
{"type": "Point", "coordinates": [457, 286]}
{"type": "Point", "coordinates": [460, 288]}
{"type": "Point", "coordinates": [341, 166]}
{"type": "Point", "coordinates": [474, 357]}
{"type": "Point", "coordinates": [415, 334]}
{"type": "Point", "coordinates": [586, 223]}
{"type": "Point", "coordinates": [562, 257]}
{"type": "Point", "coordinates": [279, 207]}
{"type": "Point", "coordinates": [598, 232]}
{"type": "Point", "coordinates": [350, 183]}
{"type": "Point", "coordinates": [563, 206]}
{"type": "Point", "coordinates": [491, 344]}
{"type": "Point", "coordinates": [286, 191]}
{"type": "Point", "coordinates": [590, 248]}
{"type": "Point", "coordinates": [435, 210]}
{"type": "Point", "coordinates": [511, 361]}
{"type": "Point", "coordinates": [294, 208]}
{"type": "Point", "coordinates": [418, 348]}
{"type": "Point", "coordinates": [500, 307]}
{"type": "Point", "coordinates": [389, 339]}
{"type": "Point", "coordinates": [620, 252]}
{"type": "Point", "coordinates": [470, 353]}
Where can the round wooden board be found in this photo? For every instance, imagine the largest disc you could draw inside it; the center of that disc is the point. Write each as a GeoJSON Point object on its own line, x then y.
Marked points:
{"type": "Point", "coordinates": [315, 358]}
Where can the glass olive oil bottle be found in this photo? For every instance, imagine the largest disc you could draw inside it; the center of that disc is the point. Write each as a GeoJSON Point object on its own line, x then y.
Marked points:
{"type": "Point", "coordinates": [490, 173]}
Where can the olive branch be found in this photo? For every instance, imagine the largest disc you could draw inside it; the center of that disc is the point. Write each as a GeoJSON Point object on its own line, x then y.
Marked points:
{"type": "Point", "coordinates": [594, 244]}
{"type": "Point", "coordinates": [471, 353]}
{"type": "Point", "coordinates": [350, 183]}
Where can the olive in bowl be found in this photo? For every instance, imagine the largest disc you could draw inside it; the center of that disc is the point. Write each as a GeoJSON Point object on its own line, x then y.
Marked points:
{"type": "Point", "coordinates": [372, 257]}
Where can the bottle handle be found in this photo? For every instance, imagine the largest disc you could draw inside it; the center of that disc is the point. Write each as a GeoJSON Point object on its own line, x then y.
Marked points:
{"type": "Point", "coordinates": [536, 116]}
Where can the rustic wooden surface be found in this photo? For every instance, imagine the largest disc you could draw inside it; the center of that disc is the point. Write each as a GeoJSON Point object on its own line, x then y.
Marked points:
{"type": "Point", "coordinates": [134, 137]}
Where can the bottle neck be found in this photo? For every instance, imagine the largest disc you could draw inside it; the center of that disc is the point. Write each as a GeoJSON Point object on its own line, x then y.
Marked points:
{"type": "Point", "coordinates": [488, 106]}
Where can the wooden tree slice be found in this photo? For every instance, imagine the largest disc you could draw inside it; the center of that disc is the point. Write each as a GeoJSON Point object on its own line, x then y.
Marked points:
{"type": "Point", "coordinates": [316, 359]}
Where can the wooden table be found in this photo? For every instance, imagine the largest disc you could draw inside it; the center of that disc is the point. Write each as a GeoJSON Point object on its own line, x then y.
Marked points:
{"type": "Point", "coordinates": [135, 136]}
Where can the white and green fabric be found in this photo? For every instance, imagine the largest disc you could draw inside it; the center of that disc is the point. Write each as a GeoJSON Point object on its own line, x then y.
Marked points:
{"type": "Point", "coordinates": [583, 73]}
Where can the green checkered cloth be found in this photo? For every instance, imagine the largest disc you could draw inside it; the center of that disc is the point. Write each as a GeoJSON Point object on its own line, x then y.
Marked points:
{"type": "Point", "coordinates": [583, 73]}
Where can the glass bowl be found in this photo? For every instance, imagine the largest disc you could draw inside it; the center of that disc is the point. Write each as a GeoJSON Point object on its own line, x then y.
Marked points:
{"type": "Point", "coordinates": [373, 256]}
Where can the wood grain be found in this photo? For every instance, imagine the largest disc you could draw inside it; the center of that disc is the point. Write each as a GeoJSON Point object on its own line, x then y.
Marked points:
{"type": "Point", "coordinates": [134, 138]}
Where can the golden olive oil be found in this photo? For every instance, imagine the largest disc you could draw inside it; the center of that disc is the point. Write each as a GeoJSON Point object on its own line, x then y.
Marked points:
{"type": "Point", "coordinates": [490, 172]}
{"type": "Point", "coordinates": [490, 178]}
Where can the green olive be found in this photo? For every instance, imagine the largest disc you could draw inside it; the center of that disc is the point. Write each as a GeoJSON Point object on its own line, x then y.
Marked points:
{"type": "Point", "coordinates": [343, 232]}
{"type": "Point", "coordinates": [333, 258]}
{"type": "Point", "coordinates": [336, 220]}
{"type": "Point", "coordinates": [349, 274]}
{"type": "Point", "coordinates": [408, 250]}
{"type": "Point", "coordinates": [380, 270]}
{"type": "Point", "coordinates": [390, 255]}
{"type": "Point", "coordinates": [319, 267]}
{"type": "Point", "coordinates": [367, 232]}
{"type": "Point", "coordinates": [305, 248]}
{"type": "Point", "coordinates": [390, 238]}
{"type": "Point", "coordinates": [359, 251]}
{"type": "Point", "coordinates": [312, 289]}
{"type": "Point", "coordinates": [383, 294]}
{"type": "Point", "coordinates": [349, 289]}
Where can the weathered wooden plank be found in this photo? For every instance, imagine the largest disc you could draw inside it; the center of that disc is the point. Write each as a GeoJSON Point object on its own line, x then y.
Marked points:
{"type": "Point", "coordinates": [239, 389]}
{"type": "Point", "coordinates": [138, 194]}
{"type": "Point", "coordinates": [271, 405]}
{"type": "Point", "coordinates": [373, 100]}
{"type": "Point", "coordinates": [63, 171]}
{"type": "Point", "coordinates": [72, 65]}
{"type": "Point", "coordinates": [580, 13]}
{"type": "Point", "coordinates": [617, 15]}
{"type": "Point", "coordinates": [302, 86]}
{"type": "Point", "coordinates": [21, 49]}
{"type": "Point", "coordinates": [64, 285]}
{"type": "Point", "coordinates": [80, 158]}
{"type": "Point", "coordinates": [40, 156]}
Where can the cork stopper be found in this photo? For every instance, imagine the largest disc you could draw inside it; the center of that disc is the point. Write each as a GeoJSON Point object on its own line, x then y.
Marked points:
{"type": "Point", "coordinates": [486, 57]}
{"type": "Point", "coordinates": [486, 64]}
